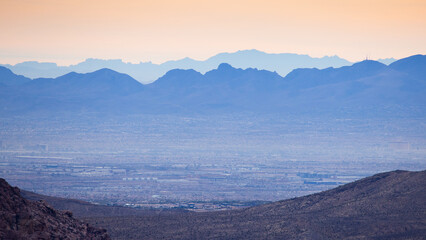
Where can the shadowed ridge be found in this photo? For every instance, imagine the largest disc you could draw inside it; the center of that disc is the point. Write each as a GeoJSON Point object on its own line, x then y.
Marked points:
{"type": "Point", "coordinates": [105, 71]}
{"type": "Point", "coordinates": [225, 67]}
{"type": "Point", "coordinates": [414, 65]}
{"type": "Point", "coordinates": [178, 78]}
{"type": "Point", "coordinates": [384, 206]}
{"type": "Point", "coordinates": [223, 88]}
{"type": "Point", "coordinates": [81, 209]}
{"type": "Point", "coordinates": [403, 182]}
{"type": "Point", "coordinates": [365, 88]}
{"type": "Point", "coordinates": [312, 77]}
{"type": "Point", "coordinates": [8, 78]}
{"type": "Point", "coordinates": [105, 81]}
{"type": "Point", "coordinates": [368, 65]}
{"type": "Point", "coordinates": [23, 219]}
{"type": "Point", "coordinates": [226, 73]}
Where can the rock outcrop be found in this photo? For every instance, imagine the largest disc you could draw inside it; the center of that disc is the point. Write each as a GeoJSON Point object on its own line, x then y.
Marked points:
{"type": "Point", "coordinates": [24, 219]}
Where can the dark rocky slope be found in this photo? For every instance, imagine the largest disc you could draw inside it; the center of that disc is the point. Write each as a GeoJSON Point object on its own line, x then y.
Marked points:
{"type": "Point", "coordinates": [24, 219]}
{"type": "Point", "coordinates": [83, 209]}
{"type": "Point", "coordinates": [389, 205]}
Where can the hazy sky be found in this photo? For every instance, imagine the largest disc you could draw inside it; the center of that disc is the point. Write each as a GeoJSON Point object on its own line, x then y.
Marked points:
{"type": "Point", "coordinates": [69, 31]}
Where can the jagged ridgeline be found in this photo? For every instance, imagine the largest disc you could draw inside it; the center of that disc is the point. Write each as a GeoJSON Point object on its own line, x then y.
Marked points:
{"type": "Point", "coordinates": [365, 88]}
{"type": "Point", "coordinates": [147, 72]}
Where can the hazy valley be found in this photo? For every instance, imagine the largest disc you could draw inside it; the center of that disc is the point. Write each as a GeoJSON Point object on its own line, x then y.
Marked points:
{"type": "Point", "coordinates": [225, 139]}
{"type": "Point", "coordinates": [216, 120]}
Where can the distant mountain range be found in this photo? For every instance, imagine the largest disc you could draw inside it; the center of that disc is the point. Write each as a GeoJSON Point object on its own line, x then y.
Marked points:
{"type": "Point", "coordinates": [384, 206]}
{"type": "Point", "coordinates": [8, 78]}
{"type": "Point", "coordinates": [147, 72]}
{"type": "Point", "coordinates": [364, 87]}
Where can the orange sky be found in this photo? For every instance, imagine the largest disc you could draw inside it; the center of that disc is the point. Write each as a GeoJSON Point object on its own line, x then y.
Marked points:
{"type": "Point", "coordinates": [69, 31]}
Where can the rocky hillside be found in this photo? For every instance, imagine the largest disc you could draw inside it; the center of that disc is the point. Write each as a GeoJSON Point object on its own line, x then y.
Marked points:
{"type": "Point", "coordinates": [83, 209]}
{"type": "Point", "coordinates": [389, 205]}
{"type": "Point", "coordinates": [24, 219]}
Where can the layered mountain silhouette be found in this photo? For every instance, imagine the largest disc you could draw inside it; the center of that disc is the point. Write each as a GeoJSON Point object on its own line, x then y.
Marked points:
{"type": "Point", "coordinates": [414, 66]}
{"type": "Point", "coordinates": [147, 72]}
{"type": "Point", "coordinates": [73, 92]}
{"type": "Point", "coordinates": [8, 78]}
{"type": "Point", "coordinates": [388, 205]}
{"type": "Point", "coordinates": [24, 219]}
{"type": "Point", "coordinates": [100, 82]}
{"type": "Point", "coordinates": [367, 86]}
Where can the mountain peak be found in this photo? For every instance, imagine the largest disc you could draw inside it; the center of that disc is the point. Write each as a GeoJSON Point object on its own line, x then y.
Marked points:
{"type": "Point", "coordinates": [8, 78]}
{"type": "Point", "coordinates": [225, 66]}
{"type": "Point", "coordinates": [369, 63]}
{"type": "Point", "coordinates": [177, 77]}
{"type": "Point", "coordinates": [250, 51]}
{"type": "Point", "coordinates": [413, 61]}
{"type": "Point", "coordinates": [414, 65]}
{"type": "Point", "coordinates": [104, 81]}
{"type": "Point", "coordinates": [105, 71]}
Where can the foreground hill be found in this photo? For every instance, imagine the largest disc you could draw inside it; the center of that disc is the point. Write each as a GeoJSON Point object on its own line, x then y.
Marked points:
{"type": "Point", "coordinates": [83, 209]}
{"type": "Point", "coordinates": [384, 206]}
{"type": "Point", "coordinates": [24, 219]}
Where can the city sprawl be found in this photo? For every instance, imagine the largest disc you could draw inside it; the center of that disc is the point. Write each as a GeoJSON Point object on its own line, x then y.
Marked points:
{"type": "Point", "coordinates": [202, 162]}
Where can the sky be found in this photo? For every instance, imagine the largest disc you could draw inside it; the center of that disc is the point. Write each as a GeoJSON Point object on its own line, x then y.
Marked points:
{"type": "Point", "coordinates": [69, 31]}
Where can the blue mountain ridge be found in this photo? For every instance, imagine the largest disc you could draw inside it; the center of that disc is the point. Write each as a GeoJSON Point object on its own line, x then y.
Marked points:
{"type": "Point", "coordinates": [147, 72]}
{"type": "Point", "coordinates": [367, 86]}
{"type": "Point", "coordinates": [8, 78]}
